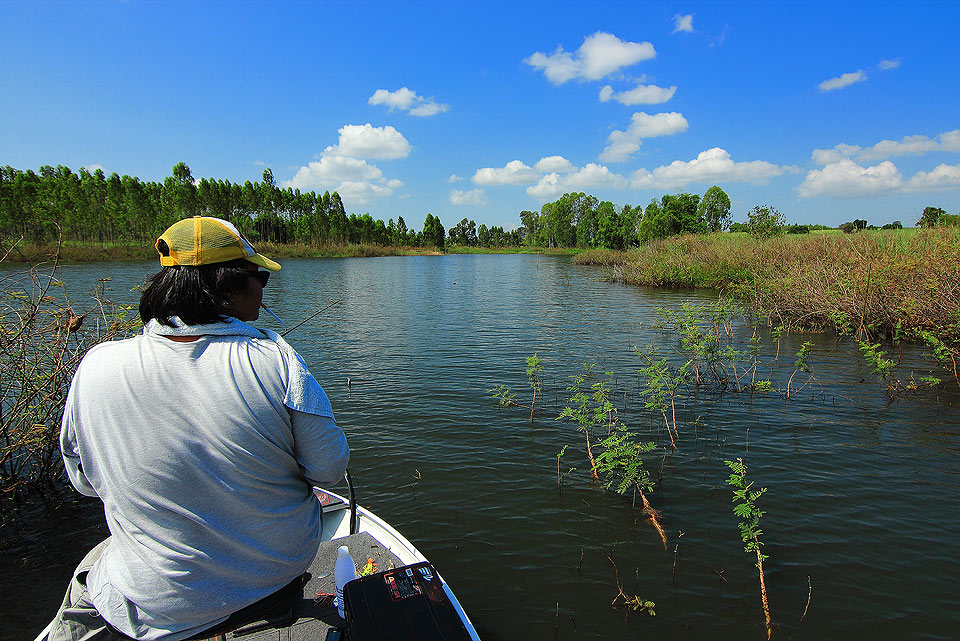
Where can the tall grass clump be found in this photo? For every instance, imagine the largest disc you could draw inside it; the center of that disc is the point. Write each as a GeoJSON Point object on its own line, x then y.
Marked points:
{"type": "Point", "coordinates": [43, 337]}
{"type": "Point", "coordinates": [874, 284]}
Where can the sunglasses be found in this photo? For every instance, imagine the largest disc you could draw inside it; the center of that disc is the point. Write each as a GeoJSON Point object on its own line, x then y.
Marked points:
{"type": "Point", "coordinates": [263, 277]}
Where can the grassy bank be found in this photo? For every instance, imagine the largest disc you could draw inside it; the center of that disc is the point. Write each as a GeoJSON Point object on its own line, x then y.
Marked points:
{"type": "Point", "coordinates": [897, 283]}
{"type": "Point", "coordinates": [76, 252]}
{"type": "Point", "coordinates": [547, 251]}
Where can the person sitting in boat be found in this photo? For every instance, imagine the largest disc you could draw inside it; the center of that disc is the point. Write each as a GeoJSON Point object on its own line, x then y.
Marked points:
{"type": "Point", "coordinates": [202, 436]}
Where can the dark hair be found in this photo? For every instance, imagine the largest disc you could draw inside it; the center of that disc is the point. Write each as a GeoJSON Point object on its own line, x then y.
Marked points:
{"type": "Point", "coordinates": [198, 295]}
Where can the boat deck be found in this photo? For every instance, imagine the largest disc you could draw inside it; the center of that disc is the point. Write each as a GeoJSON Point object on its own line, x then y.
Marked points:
{"type": "Point", "coordinates": [316, 614]}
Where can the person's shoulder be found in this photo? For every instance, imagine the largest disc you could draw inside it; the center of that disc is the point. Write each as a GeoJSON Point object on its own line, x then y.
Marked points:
{"type": "Point", "coordinates": [110, 351]}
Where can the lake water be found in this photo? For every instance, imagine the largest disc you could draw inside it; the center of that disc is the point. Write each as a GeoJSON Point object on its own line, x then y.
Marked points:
{"type": "Point", "coordinates": [861, 512]}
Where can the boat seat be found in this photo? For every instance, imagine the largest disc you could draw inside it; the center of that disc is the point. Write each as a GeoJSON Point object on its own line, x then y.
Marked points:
{"type": "Point", "coordinates": [273, 611]}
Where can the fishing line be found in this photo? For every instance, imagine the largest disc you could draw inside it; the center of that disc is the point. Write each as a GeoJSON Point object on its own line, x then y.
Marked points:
{"type": "Point", "coordinates": [311, 316]}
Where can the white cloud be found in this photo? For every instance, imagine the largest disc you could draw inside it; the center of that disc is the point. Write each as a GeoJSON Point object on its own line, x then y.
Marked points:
{"type": "Point", "coordinates": [916, 145]}
{"type": "Point", "coordinates": [402, 98]}
{"type": "Point", "coordinates": [845, 80]}
{"type": "Point", "coordinates": [334, 169]}
{"type": "Point", "coordinates": [710, 166]}
{"type": "Point", "coordinates": [259, 163]}
{"type": "Point", "coordinates": [472, 197]}
{"type": "Point", "coordinates": [557, 164]}
{"type": "Point", "coordinates": [367, 141]}
{"type": "Point", "coordinates": [514, 173]}
{"type": "Point", "coordinates": [588, 177]}
{"type": "Point", "coordinates": [847, 179]}
{"type": "Point", "coordinates": [92, 168]}
{"type": "Point", "coordinates": [354, 179]}
{"type": "Point", "coordinates": [407, 100]}
{"type": "Point", "coordinates": [950, 140]}
{"type": "Point", "coordinates": [942, 177]}
{"type": "Point", "coordinates": [454, 178]}
{"type": "Point", "coordinates": [600, 55]}
{"type": "Point", "coordinates": [362, 192]}
{"type": "Point", "coordinates": [621, 144]}
{"type": "Point", "coordinates": [889, 64]}
{"type": "Point", "coordinates": [838, 153]}
{"type": "Point", "coordinates": [683, 23]}
{"type": "Point", "coordinates": [343, 168]}
{"type": "Point", "coordinates": [641, 95]}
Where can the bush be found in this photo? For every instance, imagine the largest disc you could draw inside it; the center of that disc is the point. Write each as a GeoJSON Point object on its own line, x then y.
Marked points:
{"type": "Point", "coordinates": [765, 222]}
{"type": "Point", "coordinates": [847, 228]}
{"type": "Point", "coordinates": [798, 229]}
{"type": "Point", "coordinates": [42, 339]}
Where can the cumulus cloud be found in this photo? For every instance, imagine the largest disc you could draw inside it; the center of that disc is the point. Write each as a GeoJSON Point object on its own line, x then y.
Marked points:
{"type": "Point", "coordinates": [590, 176]}
{"type": "Point", "coordinates": [710, 166]}
{"type": "Point", "coordinates": [514, 172]}
{"type": "Point", "coordinates": [472, 197]}
{"type": "Point", "coordinates": [683, 23]}
{"type": "Point", "coordinates": [407, 100]}
{"type": "Point", "coordinates": [847, 179]}
{"type": "Point", "coordinates": [343, 167]}
{"type": "Point", "coordinates": [354, 179]}
{"type": "Point", "coordinates": [92, 168]}
{"type": "Point", "coordinates": [889, 64]}
{"type": "Point", "coordinates": [640, 95]}
{"type": "Point", "coordinates": [845, 80]}
{"type": "Point", "coordinates": [600, 55]}
{"type": "Point", "coordinates": [942, 177]}
{"type": "Point", "coordinates": [622, 144]}
{"type": "Point", "coordinates": [367, 141]}
{"type": "Point", "coordinates": [557, 164]}
{"type": "Point", "coordinates": [454, 178]}
{"type": "Point", "coordinates": [915, 145]}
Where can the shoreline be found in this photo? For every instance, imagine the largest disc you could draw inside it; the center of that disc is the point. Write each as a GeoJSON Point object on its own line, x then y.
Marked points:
{"type": "Point", "coordinates": [77, 252]}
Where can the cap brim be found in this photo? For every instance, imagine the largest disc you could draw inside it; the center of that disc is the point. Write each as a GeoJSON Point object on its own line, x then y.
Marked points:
{"type": "Point", "coordinates": [263, 261]}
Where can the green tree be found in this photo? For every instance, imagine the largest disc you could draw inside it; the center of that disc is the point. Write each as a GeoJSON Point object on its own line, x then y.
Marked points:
{"type": "Point", "coordinates": [765, 222]}
{"type": "Point", "coordinates": [531, 228]}
{"type": "Point", "coordinates": [433, 232]}
{"type": "Point", "coordinates": [931, 216]}
{"type": "Point", "coordinates": [609, 227]}
{"type": "Point", "coordinates": [715, 209]}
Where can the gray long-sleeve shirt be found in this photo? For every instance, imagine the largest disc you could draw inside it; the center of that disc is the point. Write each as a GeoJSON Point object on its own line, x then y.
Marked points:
{"type": "Point", "coordinates": [203, 472]}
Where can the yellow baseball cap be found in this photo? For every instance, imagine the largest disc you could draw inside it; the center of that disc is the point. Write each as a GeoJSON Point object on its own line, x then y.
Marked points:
{"type": "Point", "coordinates": [203, 240]}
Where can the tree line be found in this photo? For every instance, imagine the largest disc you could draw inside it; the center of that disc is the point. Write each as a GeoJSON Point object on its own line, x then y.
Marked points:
{"type": "Point", "coordinates": [93, 207]}
{"type": "Point", "coordinates": [582, 220]}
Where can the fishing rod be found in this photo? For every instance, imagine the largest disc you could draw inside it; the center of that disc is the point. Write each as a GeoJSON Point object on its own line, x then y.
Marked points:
{"type": "Point", "coordinates": [310, 317]}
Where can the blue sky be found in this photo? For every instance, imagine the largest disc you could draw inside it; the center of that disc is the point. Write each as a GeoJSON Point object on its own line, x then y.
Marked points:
{"type": "Point", "coordinates": [828, 111]}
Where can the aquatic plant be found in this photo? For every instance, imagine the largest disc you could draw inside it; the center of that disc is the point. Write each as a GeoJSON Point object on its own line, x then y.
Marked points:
{"type": "Point", "coordinates": [884, 368]}
{"type": "Point", "coordinates": [620, 465]}
{"type": "Point", "coordinates": [507, 397]}
{"type": "Point", "coordinates": [561, 475]}
{"type": "Point", "coordinates": [586, 418]}
{"type": "Point", "coordinates": [746, 508]}
{"type": "Point", "coordinates": [534, 369]}
{"type": "Point", "coordinates": [634, 602]}
{"type": "Point", "coordinates": [800, 365]}
{"type": "Point", "coordinates": [662, 385]}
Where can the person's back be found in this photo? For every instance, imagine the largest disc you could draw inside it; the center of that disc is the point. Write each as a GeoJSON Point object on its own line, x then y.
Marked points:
{"type": "Point", "coordinates": [191, 436]}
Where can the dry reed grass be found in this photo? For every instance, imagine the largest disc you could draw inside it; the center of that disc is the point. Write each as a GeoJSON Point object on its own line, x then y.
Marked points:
{"type": "Point", "coordinates": [880, 283]}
